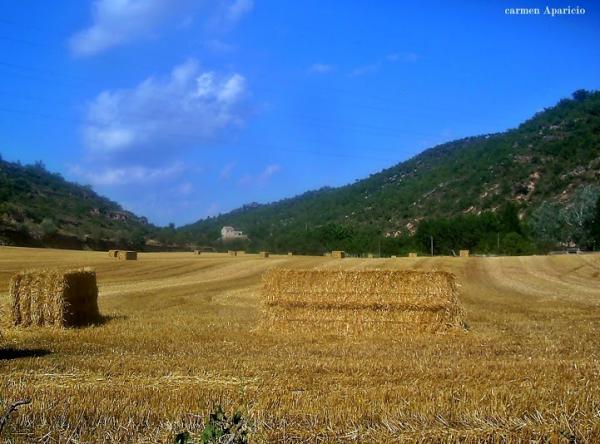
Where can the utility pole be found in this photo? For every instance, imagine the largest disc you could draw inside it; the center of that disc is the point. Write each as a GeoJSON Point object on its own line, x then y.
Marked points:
{"type": "Point", "coordinates": [431, 239]}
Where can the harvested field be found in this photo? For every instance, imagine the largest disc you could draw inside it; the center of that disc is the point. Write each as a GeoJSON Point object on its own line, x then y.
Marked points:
{"type": "Point", "coordinates": [181, 336]}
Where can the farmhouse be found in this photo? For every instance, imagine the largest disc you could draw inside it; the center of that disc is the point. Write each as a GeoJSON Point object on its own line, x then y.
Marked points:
{"type": "Point", "coordinates": [230, 233]}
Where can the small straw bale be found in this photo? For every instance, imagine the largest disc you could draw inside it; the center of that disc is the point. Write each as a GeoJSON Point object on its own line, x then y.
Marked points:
{"type": "Point", "coordinates": [370, 255]}
{"type": "Point", "coordinates": [240, 253]}
{"type": "Point", "coordinates": [54, 298]}
{"type": "Point", "coordinates": [113, 253]}
{"type": "Point", "coordinates": [127, 255]}
{"type": "Point", "coordinates": [197, 252]}
{"type": "Point", "coordinates": [290, 253]}
{"type": "Point", "coordinates": [338, 254]}
{"type": "Point", "coordinates": [232, 253]}
{"type": "Point", "coordinates": [393, 256]}
{"type": "Point", "coordinates": [264, 254]}
{"type": "Point", "coordinates": [344, 301]}
{"type": "Point", "coordinates": [463, 253]}
{"type": "Point", "coordinates": [412, 254]}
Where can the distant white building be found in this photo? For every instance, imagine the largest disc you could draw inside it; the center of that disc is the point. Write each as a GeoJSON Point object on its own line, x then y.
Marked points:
{"type": "Point", "coordinates": [230, 233]}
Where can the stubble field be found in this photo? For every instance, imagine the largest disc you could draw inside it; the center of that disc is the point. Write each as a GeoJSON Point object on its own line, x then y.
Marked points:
{"type": "Point", "coordinates": [181, 337]}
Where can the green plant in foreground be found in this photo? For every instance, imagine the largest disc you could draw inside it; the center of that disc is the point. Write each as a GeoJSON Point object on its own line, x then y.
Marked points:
{"type": "Point", "coordinates": [219, 428]}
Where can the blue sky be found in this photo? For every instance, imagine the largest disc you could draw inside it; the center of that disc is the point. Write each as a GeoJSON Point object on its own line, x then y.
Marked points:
{"type": "Point", "coordinates": [181, 109]}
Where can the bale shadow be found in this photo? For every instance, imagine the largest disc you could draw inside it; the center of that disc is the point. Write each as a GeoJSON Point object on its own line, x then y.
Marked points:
{"type": "Point", "coordinates": [104, 319]}
{"type": "Point", "coordinates": [7, 354]}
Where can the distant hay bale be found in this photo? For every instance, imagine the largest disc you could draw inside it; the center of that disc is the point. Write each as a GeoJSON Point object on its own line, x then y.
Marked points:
{"type": "Point", "coordinates": [113, 253]}
{"type": "Point", "coordinates": [393, 257]}
{"type": "Point", "coordinates": [54, 298]}
{"type": "Point", "coordinates": [377, 301]}
{"type": "Point", "coordinates": [370, 255]}
{"type": "Point", "coordinates": [197, 252]}
{"type": "Point", "coordinates": [326, 254]}
{"type": "Point", "coordinates": [264, 254]}
{"type": "Point", "coordinates": [240, 253]}
{"type": "Point", "coordinates": [290, 253]}
{"type": "Point", "coordinates": [232, 253]}
{"type": "Point", "coordinates": [338, 254]}
{"type": "Point", "coordinates": [412, 254]}
{"type": "Point", "coordinates": [127, 255]}
{"type": "Point", "coordinates": [463, 253]}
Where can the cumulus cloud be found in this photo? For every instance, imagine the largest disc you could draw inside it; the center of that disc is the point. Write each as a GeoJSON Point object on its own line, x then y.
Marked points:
{"type": "Point", "coordinates": [118, 22]}
{"type": "Point", "coordinates": [115, 22]}
{"type": "Point", "coordinates": [187, 107]}
{"type": "Point", "coordinates": [320, 68]}
{"type": "Point", "coordinates": [128, 175]}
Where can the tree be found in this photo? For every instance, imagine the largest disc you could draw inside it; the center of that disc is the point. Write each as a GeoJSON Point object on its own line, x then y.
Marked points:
{"type": "Point", "coordinates": [546, 224]}
{"type": "Point", "coordinates": [578, 214]}
{"type": "Point", "coordinates": [48, 227]}
{"type": "Point", "coordinates": [594, 226]}
{"type": "Point", "coordinates": [509, 219]}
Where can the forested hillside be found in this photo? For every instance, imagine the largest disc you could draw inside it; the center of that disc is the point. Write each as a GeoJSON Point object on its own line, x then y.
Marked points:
{"type": "Point", "coordinates": [554, 157]}
{"type": "Point", "coordinates": [39, 208]}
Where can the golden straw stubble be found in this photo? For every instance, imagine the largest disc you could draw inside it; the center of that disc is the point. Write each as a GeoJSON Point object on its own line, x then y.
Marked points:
{"type": "Point", "coordinates": [369, 300]}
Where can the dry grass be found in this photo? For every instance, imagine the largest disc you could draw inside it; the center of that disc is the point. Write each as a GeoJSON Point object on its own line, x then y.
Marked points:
{"type": "Point", "coordinates": [183, 337]}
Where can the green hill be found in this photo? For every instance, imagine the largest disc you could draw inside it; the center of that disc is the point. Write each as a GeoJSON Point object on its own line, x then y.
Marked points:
{"type": "Point", "coordinates": [39, 208]}
{"type": "Point", "coordinates": [548, 158]}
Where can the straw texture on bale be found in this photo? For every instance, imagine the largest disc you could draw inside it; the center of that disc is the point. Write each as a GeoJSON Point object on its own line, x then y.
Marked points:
{"type": "Point", "coordinates": [338, 254]}
{"type": "Point", "coordinates": [463, 253]}
{"type": "Point", "coordinates": [54, 298]}
{"type": "Point", "coordinates": [113, 253]}
{"type": "Point", "coordinates": [127, 255]}
{"type": "Point", "coordinates": [264, 254]}
{"type": "Point", "coordinates": [373, 300]}
{"type": "Point", "coordinates": [412, 254]}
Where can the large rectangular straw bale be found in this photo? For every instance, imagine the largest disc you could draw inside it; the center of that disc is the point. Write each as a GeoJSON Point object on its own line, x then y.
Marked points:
{"type": "Point", "coordinates": [113, 253]}
{"type": "Point", "coordinates": [290, 253]}
{"type": "Point", "coordinates": [338, 254]}
{"type": "Point", "coordinates": [370, 255]}
{"type": "Point", "coordinates": [197, 252]}
{"type": "Point", "coordinates": [463, 253]}
{"type": "Point", "coordinates": [264, 254]}
{"type": "Point", "coordinates": [412, 254]}
{"type": "Point", "coordinates": [332, 299]}
{"type": "Point", "coordinates": [127, 255]}
{"type": "Point", "coordinates": [54, 298]}
{"type": "Point", "coordinates": [232, 253]}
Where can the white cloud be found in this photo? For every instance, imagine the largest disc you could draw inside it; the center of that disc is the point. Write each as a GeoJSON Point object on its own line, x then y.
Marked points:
{"type": "Point", "coordinates": [128, 175]}
{"type": "Point", "coordinates": [320, 68]}
{"type": "Point", "coordinates": [262, 178]}
{"type": "Point", "coordinates": [116, 22]}
{"type": "Point", "coordinates": [238, 9]}
{"type": "Point", "coordinates": [269, 171]}
{"type": "Point", "coordinates": [365, 70]}
{"type": "Point", "coordinates": [226, 171]}
{"type": "Point", "coordinates": [185, 188]}
{"type": "Point", "coordinates": [189, 106]}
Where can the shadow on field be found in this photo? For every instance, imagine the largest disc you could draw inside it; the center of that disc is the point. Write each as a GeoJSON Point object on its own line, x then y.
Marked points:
{"type": "Point", "coordinates": [16, 353]}
{"type": "Point", "coordinates": [105, 319]}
